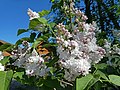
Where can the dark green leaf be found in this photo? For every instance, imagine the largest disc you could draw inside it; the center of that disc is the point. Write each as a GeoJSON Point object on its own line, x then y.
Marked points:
{"type": "Point", "coordinates": [32, 36]}
{"type": "Point", "coordinates": [49, 45]}
{"type": "Point", "coordinates": [20, 31]}
{"type": "Point", "coordinates": [21, 40]}
{"type": "Point", "coordinates": [52, 62]}
{"type": "Point", "coordinates": [52, 83]}
{"type": "Point", "coordinates": [4, 46]}
{"type": "Point", "coordinates": [35, 44]}
{"type": "Point", "coordinates": [9, 48]}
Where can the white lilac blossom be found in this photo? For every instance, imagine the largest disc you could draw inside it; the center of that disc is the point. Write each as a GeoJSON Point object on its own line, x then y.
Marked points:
{"type": "Point", "coordinates": [77, 49]}
{"type": "Point", "coordinates": [111, 50]}
{"type": "Point", "coordinates": [1, 56]}
{"type": "Point", "coordinates": [116, 49]}
{"type": "Point", "coordinates": [2, 68]}
{"type": "Point", "coordinates": [32, 62]}
{"type": "Point", "coordinates": [32, 14]}
{"type": "Point", "coordinates": [116, 34]}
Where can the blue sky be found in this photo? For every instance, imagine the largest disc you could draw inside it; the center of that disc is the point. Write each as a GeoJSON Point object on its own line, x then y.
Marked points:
{"type": "Point", "coordinates": [13, 16]}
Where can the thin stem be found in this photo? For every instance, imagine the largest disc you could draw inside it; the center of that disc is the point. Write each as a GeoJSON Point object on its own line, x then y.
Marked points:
{"type": "Point", "coordinates": [65, 82]}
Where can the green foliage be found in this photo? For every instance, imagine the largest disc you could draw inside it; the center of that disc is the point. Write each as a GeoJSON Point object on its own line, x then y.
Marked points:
{"type": "Point", "coordinates": [4, 46]}
{"type": "Point", "coordinates": [22, 39]}
{"type": "Point", "coordinates": [82, 83]}
{"type": "Point", "coordinates": [5, 79]}
{"type": "Point", "coordinates": [35, 24]}
{"type": "Point", "coordinates": [43, 13]}
{"type": "Point", "coordinates": [94, 80]}
{"type": "Point", "coordinates": [32, 36]}
{"type": "Point", "coordinates": [101, 66]}
{"type": "Point", "coordinates": [52, 1]}
{"type": "Point", "coordinates": [20, 31]}
{"type": "Point", "coordinates": [115, 79]}
{"type": "Point", "coordinates": [18, 75]}
{"type": "Point", "coordinates": [52, 83]}
{"type": "Point", "coordinates": [101, 74]}
{"type": "Point", "coordinates": [5, 60]}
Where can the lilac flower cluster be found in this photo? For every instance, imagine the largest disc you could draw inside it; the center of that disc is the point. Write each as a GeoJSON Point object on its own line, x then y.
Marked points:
{"type": "Point", "coordinates": [77, 48]}
{"type": "Point", "coordinates": [32, 14]}
{"type": "Point", "coordinates": [32, 62]}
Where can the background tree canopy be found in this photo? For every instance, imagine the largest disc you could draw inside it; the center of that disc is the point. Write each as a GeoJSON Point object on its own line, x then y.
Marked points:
{"type": "Point", "coordinates": [105, 12]}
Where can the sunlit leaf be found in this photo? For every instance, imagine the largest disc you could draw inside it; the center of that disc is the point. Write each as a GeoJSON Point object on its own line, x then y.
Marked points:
{"type": "Point", "coordinates": [115, 79]}
{"type": "Point", "coordinates": [93, 81]}
{"type": "Point", "coordinates": [43, 13]}
{"type": "Point", "coordinates": [42, 20]}
{"type": "Point", "coordinates": [18, 75]}
{"type": "Point", "coordinates": [101, 66]}
{"type": "Point", "coordinates": [5, 60]}
{"type": "Point", "coordinates": [5, 79]}
{"type": "Point", "coordinates": [81, 83]}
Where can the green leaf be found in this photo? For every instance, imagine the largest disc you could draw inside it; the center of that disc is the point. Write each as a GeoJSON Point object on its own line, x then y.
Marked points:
{"type": "Point", "coordinates": [5, 60]}
{"type": "Point", "coordinates": [33, 23]}
{"type": "Point", "coordinates": [35, 44]}
{"type": "Point", "coordinates": [98, 86]}
{"type": "Point", "coordinates": [52, 24]}
{"type": "Point", "coordinates": [32, 36]}
{"type": "Point", "coordinates": [93, 81]}
{"type": "Point", "coordinates": [52, 1]}
{"type": "Point", "coordinates": [52, 83]}
{"type": "Point", "coordinates": [9, 48]}
{"type": "Point", "coordinates": [118, 13]}
{"type": "Point", "coordinates": [41, 38]}
{"type": "Point", "coordinates": [20, 31]}
{"type": "Point", "coordinates": [52, 62]}
{"type": "Point", "coordinates": [4, 46]}
{"type": "Point", "coordinates": [114, 79]}
{"type": "Point", "coordinates": [81, 83]}
{"type": "Point", "coordinates": [5, 79]}
{"type": "Point", "coordinates": [42, 20]}
{"type": "Point", "coordinates": [101, 66]}
{"type": "Point", "coordinates": [21, 40]}
{"type": "Point", "coordinates": [43, 13]}
{"type": "Point", "coordinates": [18, 75]}
{"type": "Point", "coordinates": [98, 72]}
{"type": "Point", "coordinates": [49, 45]}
